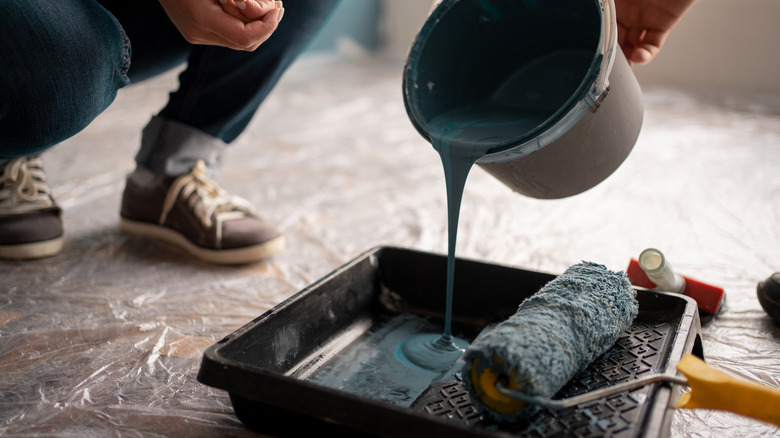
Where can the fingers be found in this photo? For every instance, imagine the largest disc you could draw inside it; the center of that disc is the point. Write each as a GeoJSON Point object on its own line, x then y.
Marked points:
{"type": "Point", "coordinates": [249, 35]}
{"type": "Point", "coordinates": [197, 25]}
{"type": "Point", "coordinates": [648, 46]}
{"type": "Point", "coordinates": [228, 31]}
{"type": "Point", "coordinates": [640, 46]}
{"type": "Point", "coordinates": [221, 23]}
{"type": "Point", "coordinates": [231, 9]}
{"type": "Point", "coordinates": [236, 30]}
{"type": "Point", "coordinates": [249, 10]}
{"type": "Point", "coordinates": [256, 9]}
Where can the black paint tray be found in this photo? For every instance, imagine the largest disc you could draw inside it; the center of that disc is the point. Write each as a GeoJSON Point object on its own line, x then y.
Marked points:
{"type": "Point", "coordinates": [343, 323]}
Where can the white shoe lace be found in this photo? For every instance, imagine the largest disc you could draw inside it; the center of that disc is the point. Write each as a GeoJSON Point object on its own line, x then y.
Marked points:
{"type": "Point", "coordinates": [206, 199]}
{"type": "Point", "coordinates": [23, 186]}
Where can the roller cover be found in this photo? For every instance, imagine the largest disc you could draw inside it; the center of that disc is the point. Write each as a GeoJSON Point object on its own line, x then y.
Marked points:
{"type": "Point", "coordinates": [553, 335]}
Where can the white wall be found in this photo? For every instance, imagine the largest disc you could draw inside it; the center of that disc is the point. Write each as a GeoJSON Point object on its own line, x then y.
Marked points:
{"type": "Point", "coordinates": [399, 23]}
{"type": "Point", "coordinates": [729, 44]}
{"type": "Point", "coordinates": [721, 44]}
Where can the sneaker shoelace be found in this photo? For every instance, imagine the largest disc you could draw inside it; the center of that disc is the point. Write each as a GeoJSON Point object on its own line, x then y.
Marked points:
{"type": "Point", "coordinates": [23, 186]}
{"type": "Point", "coordinates": [205, 199]}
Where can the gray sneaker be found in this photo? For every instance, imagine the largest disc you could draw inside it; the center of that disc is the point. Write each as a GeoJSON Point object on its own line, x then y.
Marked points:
{"type": "Point", "coordinates": [30, 220]}
{"type": "Point", "coordinates": [194, 214]}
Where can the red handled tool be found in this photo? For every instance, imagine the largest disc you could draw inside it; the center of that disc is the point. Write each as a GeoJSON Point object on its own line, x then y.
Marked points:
{"type": "Point", "coordinates": [653, 271]}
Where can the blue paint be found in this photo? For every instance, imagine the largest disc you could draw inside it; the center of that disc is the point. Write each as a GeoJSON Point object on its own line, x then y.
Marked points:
{"type": "Point", "coordinates": [372, 365]}
{"type": "Point", "coordinates": [490, 8]}
{"type": "Point", "coordinates": [466, 133]}
{"type": "Point", "coordinates": [431, 352]}
{"type": "Point", "coordinates": [468, 49]}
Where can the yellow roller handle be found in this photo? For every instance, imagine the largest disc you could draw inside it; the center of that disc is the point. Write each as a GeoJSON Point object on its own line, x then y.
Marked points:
{"type": "Point", "coordinates": [713, 389]}
{"type": "Point", "coordinates": [484, 382]}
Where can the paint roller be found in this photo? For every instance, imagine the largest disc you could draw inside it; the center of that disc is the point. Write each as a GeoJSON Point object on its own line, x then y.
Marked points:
{"type": "Point", "coordinates": [553, 335]}
{"type": "Point", "coordinates": [514, 369]}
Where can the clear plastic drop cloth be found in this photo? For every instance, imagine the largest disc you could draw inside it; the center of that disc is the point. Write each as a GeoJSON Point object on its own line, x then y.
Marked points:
{"type": "Point", "coordinates": [106, 338]}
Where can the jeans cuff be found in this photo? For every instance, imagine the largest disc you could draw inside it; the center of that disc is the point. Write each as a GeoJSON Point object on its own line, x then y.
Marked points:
{"type": "Point", "coordinates": [172, 148]}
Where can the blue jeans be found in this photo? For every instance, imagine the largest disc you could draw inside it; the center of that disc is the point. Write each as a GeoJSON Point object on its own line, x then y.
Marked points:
{"type": "Point", "coordinates": [62, 62]}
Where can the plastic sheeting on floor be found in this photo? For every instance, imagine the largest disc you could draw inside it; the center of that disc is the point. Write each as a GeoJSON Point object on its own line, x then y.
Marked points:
{"type": "Point", "coordinates": [106, 338]}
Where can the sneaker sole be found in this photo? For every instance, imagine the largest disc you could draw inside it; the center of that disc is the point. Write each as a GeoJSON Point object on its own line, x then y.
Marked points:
{"type": "Point", "coordinates": [32, 251]}
{"type": "Point", "coordinates": [234, 256]}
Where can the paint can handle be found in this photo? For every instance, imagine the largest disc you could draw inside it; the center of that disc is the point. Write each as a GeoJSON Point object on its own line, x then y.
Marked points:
{"type": "Point", "coordinates": [608, 44]}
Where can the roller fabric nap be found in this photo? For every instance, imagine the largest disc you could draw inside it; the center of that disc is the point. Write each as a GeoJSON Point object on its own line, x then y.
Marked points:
{"type": "Point", "coordinates": [553, 335]}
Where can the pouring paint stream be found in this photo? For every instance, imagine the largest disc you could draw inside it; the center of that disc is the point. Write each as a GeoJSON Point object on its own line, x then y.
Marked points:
{"type": "Point", "coordinates": [516, 107]}
{"type": "Point", "coordinates": [461, 136]}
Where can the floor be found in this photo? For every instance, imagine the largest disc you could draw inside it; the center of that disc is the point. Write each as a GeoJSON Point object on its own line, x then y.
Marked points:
{"type": "Point", "coordinates": [105, 339]}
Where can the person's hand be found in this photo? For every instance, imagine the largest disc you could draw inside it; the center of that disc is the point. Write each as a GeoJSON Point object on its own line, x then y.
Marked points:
{"type": "Point", "coordinates": [210, 22]}
{"type": "Point", "coordinates": [643, 26]}
{"type": "Point", "coordinates": [251, 10]}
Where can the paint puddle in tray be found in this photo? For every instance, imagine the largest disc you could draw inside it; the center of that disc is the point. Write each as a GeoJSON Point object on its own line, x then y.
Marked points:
{"type": "Point", "coordinates": [373, 367]}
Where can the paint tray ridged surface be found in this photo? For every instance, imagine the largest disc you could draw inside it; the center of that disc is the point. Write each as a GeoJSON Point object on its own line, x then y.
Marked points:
{"type": "Point", "coordinates": [326, 359]}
